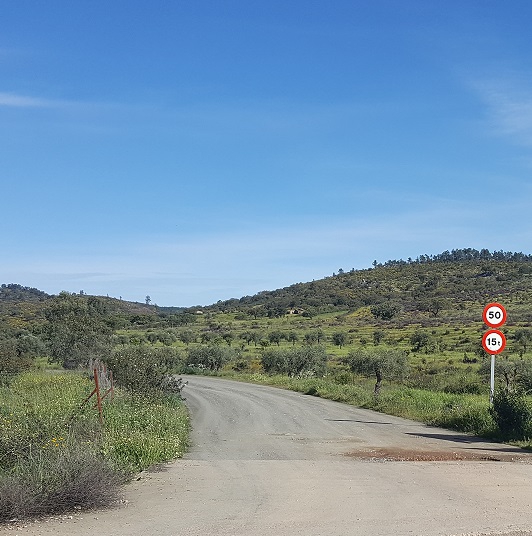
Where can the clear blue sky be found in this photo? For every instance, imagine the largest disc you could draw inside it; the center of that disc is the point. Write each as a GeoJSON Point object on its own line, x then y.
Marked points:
{"type": "Point", "coordinates": [200, 150]}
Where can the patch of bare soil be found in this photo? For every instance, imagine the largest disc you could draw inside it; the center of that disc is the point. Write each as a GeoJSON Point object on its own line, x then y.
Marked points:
{"type": "Point", "coordinates": [391, 454]}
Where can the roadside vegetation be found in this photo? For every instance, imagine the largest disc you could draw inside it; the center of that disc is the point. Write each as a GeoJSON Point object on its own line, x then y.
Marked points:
{"type": "Point", "coordinates": [402, 337]}
{"type": "Point", "coordinates": [56, 457]}
{"type": "Point", "coordinates": [56, 453]}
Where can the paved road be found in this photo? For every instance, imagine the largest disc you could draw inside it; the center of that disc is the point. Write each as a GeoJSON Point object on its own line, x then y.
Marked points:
{"type": "Point", "coordinates": [268, 462]}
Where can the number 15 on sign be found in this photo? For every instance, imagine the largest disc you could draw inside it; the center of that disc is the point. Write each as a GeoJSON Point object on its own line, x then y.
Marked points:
{"type": "Point", "coordinates": [494, 341]}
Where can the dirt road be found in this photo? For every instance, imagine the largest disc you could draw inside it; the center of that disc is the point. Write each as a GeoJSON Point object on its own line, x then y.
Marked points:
{"type": "Point", "coordinates": [268, 462]}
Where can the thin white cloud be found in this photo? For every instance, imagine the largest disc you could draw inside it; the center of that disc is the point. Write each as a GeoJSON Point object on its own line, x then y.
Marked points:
{"type": "Point", "coordinates": [16, 100]}
{"type": "Point", "coordinates": [509, 108]}
{"type": "Point", "coordinates": [206, 268]}
{"type": "Point", "coordinates": [23, 101]}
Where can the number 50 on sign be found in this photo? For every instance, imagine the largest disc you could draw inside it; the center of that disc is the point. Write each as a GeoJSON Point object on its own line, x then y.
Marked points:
{"type": "Point", "coordinates": [494, 315]}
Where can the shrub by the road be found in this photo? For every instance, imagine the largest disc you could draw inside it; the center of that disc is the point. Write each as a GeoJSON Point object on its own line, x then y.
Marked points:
{"type": "Point", "coordinates": [513, 414]}
{"type": "Point", "coordinates": [143, 368]}
{"type": "Point", "coordinates": [211, 358]}
{"type": "Point", "coordinates": [295, 361]}
{"type": "Point", "coordinates": [55, 457]}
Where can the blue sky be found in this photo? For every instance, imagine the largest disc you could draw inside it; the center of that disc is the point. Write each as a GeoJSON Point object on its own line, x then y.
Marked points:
{"type": "Point", "coordinates": [200, 150]}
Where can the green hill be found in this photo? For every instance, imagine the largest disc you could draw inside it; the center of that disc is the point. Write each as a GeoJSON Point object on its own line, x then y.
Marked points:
{"type": "Point", "coordinates": [449, 285]}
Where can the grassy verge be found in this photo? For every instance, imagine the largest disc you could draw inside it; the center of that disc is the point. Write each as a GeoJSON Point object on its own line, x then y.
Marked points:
{"type": "Point", "coordinates": [463, 412]}
{"type": "Point", "coordinates": [55, 457]}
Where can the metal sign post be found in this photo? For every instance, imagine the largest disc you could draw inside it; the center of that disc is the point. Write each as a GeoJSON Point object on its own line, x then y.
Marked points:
{"type": "Point", "coordinates": [493, 341]}
{"type": "Point", "coordinates": [492, 379]}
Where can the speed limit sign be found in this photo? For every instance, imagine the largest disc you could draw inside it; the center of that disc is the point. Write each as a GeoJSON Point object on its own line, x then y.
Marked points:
{"type": "Point", "coordinates": [494, 315]}
{"type": "Point", "coordinates": [494, 341]}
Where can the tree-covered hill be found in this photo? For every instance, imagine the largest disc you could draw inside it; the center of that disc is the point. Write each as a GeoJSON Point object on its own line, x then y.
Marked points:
{"type": "Point", "coordinates": [454, 283]}
{"type": "Point", "coordinates": [22, 307]}
{"type": "Point", "coordinates": [17, 293]}
{"type": "Point", "coordinates": [461, 280]}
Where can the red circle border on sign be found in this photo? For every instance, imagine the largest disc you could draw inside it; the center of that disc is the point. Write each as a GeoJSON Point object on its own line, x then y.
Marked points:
{"type": "Point", "coordinates": [485, 317]}
{"type": "Point", "coordinates": [491, 332]}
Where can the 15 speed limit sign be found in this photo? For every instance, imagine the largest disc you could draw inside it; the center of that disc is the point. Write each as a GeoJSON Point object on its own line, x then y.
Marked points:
{"type": "Point", "coordinates": [494, 341]}
{"type": "Point", "coordinates": [494, 315]}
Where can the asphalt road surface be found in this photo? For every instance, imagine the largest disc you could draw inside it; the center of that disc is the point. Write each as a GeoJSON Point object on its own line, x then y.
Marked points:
{"type": "Point", "coordinates": [269, 462]}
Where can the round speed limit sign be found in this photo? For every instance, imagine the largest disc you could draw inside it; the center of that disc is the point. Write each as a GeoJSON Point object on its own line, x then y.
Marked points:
{"type": "Point", "coordinates": [494, 341]}
{"type": "Point", "coordinates": [494, 315]}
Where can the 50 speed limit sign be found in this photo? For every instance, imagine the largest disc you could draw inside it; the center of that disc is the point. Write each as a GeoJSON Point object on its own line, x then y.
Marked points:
{"type": "Point", "coordinates": [494, 315]}
{"type": "Point", "coordinates": [494, 341]}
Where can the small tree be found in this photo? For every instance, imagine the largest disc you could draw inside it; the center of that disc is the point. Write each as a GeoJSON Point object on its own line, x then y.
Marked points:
{"type": "Point", "coordinates": [275, 337]}
{"type": "Point", "coordinates": [295, 361]}
{"type": "Point", "coordinates": [228, 337]}
{"type": "Point", "coordinates": [207, 337]}
{"type": "Point", "coordinates": [11, 362]}
{"type": "Point", "coordinates": [319, 335]}
{"type": "Point", "coordinates": [523, 338]}
{"type": "Point", "coordinates": [310, 337]}
{"type": "Point", "coordinates": [247, 336]}
{"type": "Point", "coordinates": [256, 337]}
{"type": "Point", "coordinates": [77, 329]}
{"type": "Point", "coordinates": [434, 306]}
{"type": "Point", "coordinates": [419, 340]}
{"type": "Point", "coordinates": [339, 338]}
{"type": "Point", "coordinates": [381, 363]}
{"type": "Point", "coordinates": [187, 336]}
{"type": "Point", "coordinates": [142, 368]}
{"type": "Point", "coordinates": [385, 310]}
{"type": "Point", "coordinates": [292, 337]}
{"type": "Point", "coordinates": [210, 357]}
{"type": "Point", "coordinates": [378, 336]}
{"type": "Point", "coordinates": [515, 373]}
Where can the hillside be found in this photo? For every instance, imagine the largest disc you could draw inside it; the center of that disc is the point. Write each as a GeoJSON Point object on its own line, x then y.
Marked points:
{"type": "Point", "coordinates": [448, 285]}
{"type": "Point", "coordinates": [21, 306]}
{"type": "Point", "coordinates": [455, 283]}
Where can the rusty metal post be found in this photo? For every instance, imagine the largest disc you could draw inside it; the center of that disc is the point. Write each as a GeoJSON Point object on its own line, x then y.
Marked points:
{"type": "Point", "coordinates": [98, 396]}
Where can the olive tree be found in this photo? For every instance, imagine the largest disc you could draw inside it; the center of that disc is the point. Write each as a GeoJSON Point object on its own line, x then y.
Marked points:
{"type": "Point", "coordinates": [77, 329]}
{"type": "Point", "coordinates": [516, 374]}
{"type": "Point", "coordinates": [212, 357]}
{"type": "Point", "coordinates": [339, 338]}
{"type": "Point", "coordinates": [385, 310]}
{"type": "Point", "coordinates": [142, 367]}
{"type": "Point", "coordinates": [295, 361]}
{"type": "Point", "coordinates": [380, 363]}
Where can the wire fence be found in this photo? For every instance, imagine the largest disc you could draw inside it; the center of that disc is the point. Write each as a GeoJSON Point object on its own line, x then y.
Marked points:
{"type": "Point", "coordinates": [103, 385]}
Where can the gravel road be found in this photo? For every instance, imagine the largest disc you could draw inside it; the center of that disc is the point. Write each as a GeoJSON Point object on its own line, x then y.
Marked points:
{"type": "Point", "coordinates": [269, 462]}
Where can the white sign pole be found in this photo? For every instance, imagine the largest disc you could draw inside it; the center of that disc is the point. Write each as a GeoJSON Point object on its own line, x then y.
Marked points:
{"type": "Point", "coordinates": [492, 380]}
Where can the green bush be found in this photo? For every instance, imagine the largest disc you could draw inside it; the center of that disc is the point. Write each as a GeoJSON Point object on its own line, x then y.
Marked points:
{"type": "Point", "coordinates": [513, 414]}
{"type": "Point", "coordinates": [464, 384]}
{"type": "Point", "coordinates": [57, 479]}
{"type": "Point", "coordinates": [143, 368]}
{"type": "Point", "coordinates": [295, 361]}
{"type": "Point", "coordinates": [13, 360]}
{"type": "Point", "coordinates": [211, 357]}
{"type": "Point", "coordinates": [382, 363]}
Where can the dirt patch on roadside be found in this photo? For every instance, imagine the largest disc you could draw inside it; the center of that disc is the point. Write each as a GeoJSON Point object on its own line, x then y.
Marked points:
{"type": "Point", "coordinates": [408, 455]}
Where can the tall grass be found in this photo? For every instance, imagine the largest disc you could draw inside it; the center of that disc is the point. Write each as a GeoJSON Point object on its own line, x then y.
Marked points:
{"type": "Point", "coordinates": [141, 431]}
{"type": "Point", "coordinates": [55, 456]}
